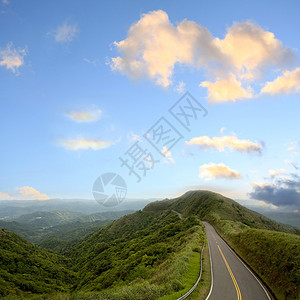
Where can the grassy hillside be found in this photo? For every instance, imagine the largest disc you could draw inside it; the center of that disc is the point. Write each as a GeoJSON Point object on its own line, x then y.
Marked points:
{"type": "Point", "coordinates": [27, 269]}
{"type": "Point", "coordinates": [138, 252]}
{"type": "Point", "coordinates": [273, 255]}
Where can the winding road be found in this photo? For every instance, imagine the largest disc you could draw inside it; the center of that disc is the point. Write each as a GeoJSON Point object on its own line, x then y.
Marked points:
{"type": "Point", "coordinates": [231, 279]}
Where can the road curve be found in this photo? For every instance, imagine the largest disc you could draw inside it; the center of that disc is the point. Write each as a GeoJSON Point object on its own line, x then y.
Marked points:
{"type": "Point", "coordinates": [231, 279]}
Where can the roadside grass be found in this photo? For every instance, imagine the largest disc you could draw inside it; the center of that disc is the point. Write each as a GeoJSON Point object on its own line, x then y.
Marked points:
{"type": "Point", "coordinates": [188, 279]}
{"type": "Point", "coordinates": [274, 256]}
{"type": "Point", "coordinates": [232, 227]}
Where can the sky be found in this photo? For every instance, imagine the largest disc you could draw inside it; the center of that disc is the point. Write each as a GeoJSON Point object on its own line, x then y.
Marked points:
{"type": "Point", "coordinates": [89, 88]}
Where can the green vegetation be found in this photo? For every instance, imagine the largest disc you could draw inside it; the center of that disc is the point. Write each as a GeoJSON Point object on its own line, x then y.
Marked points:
{"type": "Point", "coordinates": [140, 256]}
{"type": "Point", "coordinates": [215, 208]}
{"type": "Point", "coordinates": [62, 237]}
{"type": "Point", "coordinates": [59, 230]}
{"type": "Point", "coordinates": [145, 247]}
{"type": "Point", "coordinates": [150, 254]}
{"type": "Point", "coordinates": [26, 269]}
{"type": "Point", "coordinates": [48, 218]}
{"type": "Point", "coordinates": [247, 232]}
{"type": "Point", "coordinates": [275, 256]}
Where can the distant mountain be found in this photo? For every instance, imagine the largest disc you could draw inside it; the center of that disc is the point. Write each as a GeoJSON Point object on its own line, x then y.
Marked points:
{"type": "Point", "coordinates": [16, 208]}
{"type": "Point", "coordinates": [291, 218]}
{"type": "Point", "coordinates": [43, 219]}
{"type": "Point", "coordinates": [55, 229]}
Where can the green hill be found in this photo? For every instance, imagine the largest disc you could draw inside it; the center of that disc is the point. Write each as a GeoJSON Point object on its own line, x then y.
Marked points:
{"type": "Point", "coordinates": [26, 268]}
{"type": "Point", "coordinates": [218, 210]}
{"type": "Point", "coordinates": [270, 248]}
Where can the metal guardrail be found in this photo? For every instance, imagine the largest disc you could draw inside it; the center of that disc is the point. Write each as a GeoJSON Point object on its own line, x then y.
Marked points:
{"type": "Point", "coordinates": [198, 280]}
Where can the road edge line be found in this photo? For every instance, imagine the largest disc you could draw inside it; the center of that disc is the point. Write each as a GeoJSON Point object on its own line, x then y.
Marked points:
{"type": "Point", "coordinates": [247, 267]}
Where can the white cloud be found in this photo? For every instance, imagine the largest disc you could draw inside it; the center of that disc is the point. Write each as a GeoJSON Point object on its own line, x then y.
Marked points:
{"type": "Point", "coordinates": [84, 144]}
{"type": "Point", "coordinates": [5, 2]}
{"type": "Point", "coordinates": [134, 137]}
{"type": "Point", "coordinates": [66, 33]}
{"type": "Point", "coordinates": [250, 48]}
{"type": "Point", "coordinates": [90, 115]}
{"type": "Point", "coordinates": [226, 89]}
{"type": "Point", "coordinates": [220, 143]}
{"type": "Point", "coordinates": [180, 87]}
{"type": "Point", "coordinates": [288, 83]}
{"type": "Point", "coordinates": [216, 171]}
{"type": "Point", "coordinates": [168, 155]}
{"type": "Point", "coordinates": [267, 205]}
{"type": "Point", "coordinates": [94, 62]}
{"type": "Point", "coordinates": [274, 173]}
{"type": "Point", "coordinates": [12, 58]}
{"type": "Point", "coordinates": [154, 46]}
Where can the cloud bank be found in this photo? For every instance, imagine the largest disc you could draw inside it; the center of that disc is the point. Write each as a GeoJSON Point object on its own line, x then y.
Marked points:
{"type": "Point", "coordinates": [154, 46]}
{"type": "Point", "coordinates": [284, 192]}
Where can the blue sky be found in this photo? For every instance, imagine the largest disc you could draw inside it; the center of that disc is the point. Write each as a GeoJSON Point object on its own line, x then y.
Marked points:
{"type": "Point", "coordinates": [81, 82]}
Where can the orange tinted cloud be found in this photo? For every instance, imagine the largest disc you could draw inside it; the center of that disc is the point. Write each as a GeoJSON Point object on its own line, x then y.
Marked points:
{"type": "Point", "coordinates": [29, 193]}
{"type": "Point", "coordinates": [288, 83]}
{"type": "Point", "coordinates": [217, 171]}
{"type": "Point", "coordinates": [223, 142]}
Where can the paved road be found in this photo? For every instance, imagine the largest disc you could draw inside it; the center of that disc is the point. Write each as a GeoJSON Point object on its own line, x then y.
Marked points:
{"type": "Point", "coordinates": [231, 278]}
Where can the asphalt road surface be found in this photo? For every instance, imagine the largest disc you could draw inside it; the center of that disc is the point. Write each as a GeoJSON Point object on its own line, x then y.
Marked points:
{"type": "Point", "coordinates": [231, 279]}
